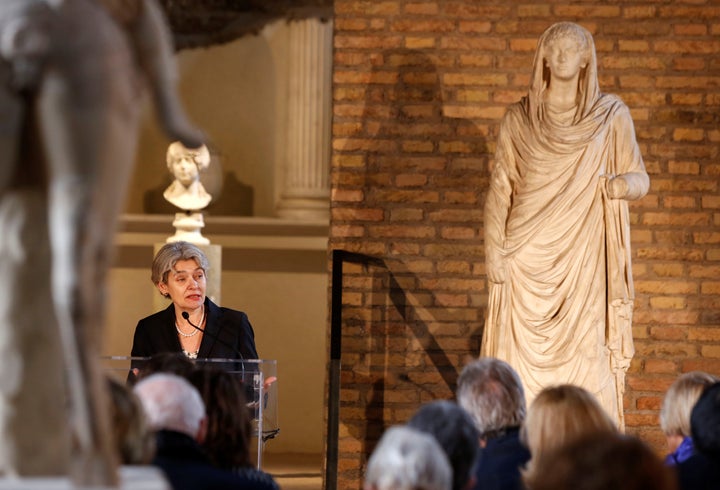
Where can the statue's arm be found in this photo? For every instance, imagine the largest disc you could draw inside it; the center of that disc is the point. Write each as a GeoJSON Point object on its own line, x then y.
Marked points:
{"type": "Point", "coordinates": [152, 42]}
{"type": "Point", "coordinates": [497, 208]}
{"type": "Point", "coordinates": [631, 181]}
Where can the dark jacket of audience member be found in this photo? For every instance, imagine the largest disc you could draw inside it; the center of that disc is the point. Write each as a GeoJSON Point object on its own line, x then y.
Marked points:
{"type": "Point", "coordinates": [702, 470]}
{"type": "Point", "coordinates": [492, 393]}
{"type": "Point", "coordinates": [175, 410]}
{"type": "Point", "coordinates": [455, 431]}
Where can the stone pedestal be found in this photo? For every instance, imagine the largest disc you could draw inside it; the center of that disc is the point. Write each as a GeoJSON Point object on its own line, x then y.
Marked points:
{"type": "Point", "coordinates": [305, 194]}
{"type": "Point", "coordinates": [187, 229]}
{"type": "Point", "coordinates": [131, 478]}
{"type": "Point", "coordinates": [214, 276]}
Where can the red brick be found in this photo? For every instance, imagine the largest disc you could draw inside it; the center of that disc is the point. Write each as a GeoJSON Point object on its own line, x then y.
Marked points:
{"type": "Point", "coordinates": [660, 366]}
{"type": "Point", "coordinates": [421, 8]}
{"type": "Point", "coordinates": [419, 91]}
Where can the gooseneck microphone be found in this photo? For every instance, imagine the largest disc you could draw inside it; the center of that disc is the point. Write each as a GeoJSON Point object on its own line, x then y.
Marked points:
{"type": "Point", "coordinates": [186, 316]}
{"type": "Point", "coordinates": [250, 393]}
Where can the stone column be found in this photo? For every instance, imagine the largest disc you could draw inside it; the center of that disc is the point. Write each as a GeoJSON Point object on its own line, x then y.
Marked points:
{"type": "Point", "coordinates": [305, 194]}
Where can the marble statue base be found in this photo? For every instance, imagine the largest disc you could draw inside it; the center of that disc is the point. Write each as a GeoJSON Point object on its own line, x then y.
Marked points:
{"type": "Point", "coordinates": [131, 478]}
{"type": "Point", "coordinates": [187, 229]}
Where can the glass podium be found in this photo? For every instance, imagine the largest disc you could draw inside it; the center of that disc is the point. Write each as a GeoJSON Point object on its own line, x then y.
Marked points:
{"type": "Point", "coordinates": [259, 376]}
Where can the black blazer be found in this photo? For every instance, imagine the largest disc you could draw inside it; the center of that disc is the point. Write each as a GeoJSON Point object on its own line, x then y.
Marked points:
{"type": "Point", "coordinates": [228, 334]}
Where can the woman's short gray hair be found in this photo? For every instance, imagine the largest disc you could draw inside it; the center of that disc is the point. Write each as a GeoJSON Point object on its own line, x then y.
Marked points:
{"type": "Point", "coordinates": [170, 254]}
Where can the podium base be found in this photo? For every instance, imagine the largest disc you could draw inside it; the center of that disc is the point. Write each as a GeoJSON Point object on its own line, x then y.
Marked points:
{"type": "Point", "coordinates": [131, 478]}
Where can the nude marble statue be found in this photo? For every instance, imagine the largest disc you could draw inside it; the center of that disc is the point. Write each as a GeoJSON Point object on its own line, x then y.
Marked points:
{"type": "Point", "coordinates": [72, 77]}
{"type": "Point", "coordinates": [557, 233]}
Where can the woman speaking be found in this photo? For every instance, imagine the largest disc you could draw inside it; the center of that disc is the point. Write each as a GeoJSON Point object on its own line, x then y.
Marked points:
{"type": "Point", "coordinates": [192, 324]}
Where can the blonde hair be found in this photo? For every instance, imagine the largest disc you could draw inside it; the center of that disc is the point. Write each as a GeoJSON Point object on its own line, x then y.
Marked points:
{"type": "Point", "coordinates": [558, 416]}
{"type": "Point", "coordinates": [679, 401]}
{"type": "Point", "coordinates": [134, 440]}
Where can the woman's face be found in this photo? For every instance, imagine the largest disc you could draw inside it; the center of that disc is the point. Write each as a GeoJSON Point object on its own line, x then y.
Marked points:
{"type": "Point", "coordinates": [565, 58]}
{"type": "Point", "coordinates": [185, 169]}
{"type": "Point", "coordinates": [186, 285]}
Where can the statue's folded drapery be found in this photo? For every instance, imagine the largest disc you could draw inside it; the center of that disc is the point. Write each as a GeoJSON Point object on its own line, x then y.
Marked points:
{"type": "Point", "coordinates": [563, 312]}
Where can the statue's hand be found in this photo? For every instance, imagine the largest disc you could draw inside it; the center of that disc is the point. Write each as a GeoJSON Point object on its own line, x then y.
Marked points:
{"type": "Point", "coordinates": [617, 187]}
{"type": "Point", "coordinates": [495, 270]}
{"type": "Point", "coordinates": [25, 41]}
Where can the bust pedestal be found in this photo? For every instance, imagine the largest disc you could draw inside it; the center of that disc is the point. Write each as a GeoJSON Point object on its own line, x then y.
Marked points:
{"type": "Point", "coordinates": [187, 228]}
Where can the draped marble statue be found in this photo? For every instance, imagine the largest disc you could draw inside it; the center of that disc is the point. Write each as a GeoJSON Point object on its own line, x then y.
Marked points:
{"type": "Point", "coordinates": [557, 234]}
{"type": "Point", "coordinates": [72, 74]}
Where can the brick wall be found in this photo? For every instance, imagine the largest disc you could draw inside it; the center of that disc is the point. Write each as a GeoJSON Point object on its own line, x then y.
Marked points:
{"type": "Point", "coordinates": [419, 90]}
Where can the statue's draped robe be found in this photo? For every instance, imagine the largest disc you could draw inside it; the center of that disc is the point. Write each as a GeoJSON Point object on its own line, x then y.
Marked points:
{"type": "Point", "coordinates": [563, 313]}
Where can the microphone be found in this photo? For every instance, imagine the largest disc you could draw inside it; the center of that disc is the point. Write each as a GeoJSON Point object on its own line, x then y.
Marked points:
{"type": "Point", "coordinates": [249, 386]}
{"type": "Point", "coordinates": [186, 316]}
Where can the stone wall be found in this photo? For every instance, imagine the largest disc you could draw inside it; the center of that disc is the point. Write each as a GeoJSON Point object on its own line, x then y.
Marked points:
{"type": "Point", "coordinates": [419, 90]}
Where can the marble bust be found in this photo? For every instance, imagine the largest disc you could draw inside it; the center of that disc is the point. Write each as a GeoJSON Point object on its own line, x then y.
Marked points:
{"type": "Point", "coordinates": [185, 164]}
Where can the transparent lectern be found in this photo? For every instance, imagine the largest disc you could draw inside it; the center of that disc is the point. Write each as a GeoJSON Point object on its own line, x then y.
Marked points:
{"type": "Point", "coordinates": [258, 375]}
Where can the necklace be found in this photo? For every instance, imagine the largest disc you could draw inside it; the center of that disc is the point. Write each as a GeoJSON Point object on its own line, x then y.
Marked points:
{"type": "Point", "coordinates": [190, 355]}
{"type": "Point", "coordinates": [186, 334]}
{"type": "Point", "coordinates": [195, 330]}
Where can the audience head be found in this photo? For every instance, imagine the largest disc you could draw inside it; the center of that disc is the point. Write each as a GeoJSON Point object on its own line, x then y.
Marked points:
{"type": "Point", "coordinates": [558, 416]}
{"type": "Point", "coordinates": [492, 393]}
{"type": "Point", "coordinates": [678, 404]}
{"type": "Point", "coordinates": [407, 459]}
{"type": "Point", "coordinates": [172, 403]}
{"type": "Point", "coordinates": [601, 461]}
{"type": "Point", "coordinates": [454, 429]}
{"type": "Point", "coordinates": [705, 423]}
{"type": "Point", "coordinates": [134, 440]}
{"type": "Point", "coordinates": [229, 425]}
{"type": "Point", "coordinates": [170, 254]}
{"type": "Point", "coordinates": [167, 362]}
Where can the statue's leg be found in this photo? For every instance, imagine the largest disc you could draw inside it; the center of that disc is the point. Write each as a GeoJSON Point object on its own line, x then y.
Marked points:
{"type": "Point", "coordinates": [34, 439]}
{"type": "Point", "coordinates": [89, 114]}
{"type": "Point", "coordinates": [93, 150]}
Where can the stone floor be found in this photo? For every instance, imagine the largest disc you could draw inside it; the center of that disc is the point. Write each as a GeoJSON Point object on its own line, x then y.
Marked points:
{"type": "Point", "coordinates": [295, 471]}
